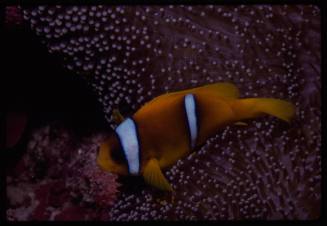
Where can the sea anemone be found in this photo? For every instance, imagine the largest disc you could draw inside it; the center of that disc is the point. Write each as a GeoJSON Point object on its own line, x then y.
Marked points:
{"type": "Point", "coordinates": [130, 54]}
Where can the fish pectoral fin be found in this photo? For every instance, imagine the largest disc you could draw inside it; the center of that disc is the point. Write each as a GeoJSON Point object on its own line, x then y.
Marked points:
{"type": "Point", "coordinates": [117, 116]}
{"type": "Point", "coordinates": [240, 124]}
{"type": "Point", "coordinates": [152, 175]}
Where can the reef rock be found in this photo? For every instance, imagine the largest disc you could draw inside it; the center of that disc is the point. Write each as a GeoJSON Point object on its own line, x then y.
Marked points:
{"type": "Point", "coordinates": [58, 179]}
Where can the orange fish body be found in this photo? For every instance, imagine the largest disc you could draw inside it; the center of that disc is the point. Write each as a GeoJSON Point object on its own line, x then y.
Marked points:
{"type": "Point", "coordinates": [173, 125]}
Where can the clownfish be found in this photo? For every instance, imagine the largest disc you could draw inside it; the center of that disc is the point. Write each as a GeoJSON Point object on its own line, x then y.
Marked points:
{"type": "Point", "coordinates": [172, 125]}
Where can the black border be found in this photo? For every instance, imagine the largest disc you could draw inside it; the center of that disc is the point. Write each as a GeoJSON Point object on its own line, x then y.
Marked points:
{"type": "Point", "coordinates": [320, 3]}
{"type": "Point", "coordinates": [157, 2]}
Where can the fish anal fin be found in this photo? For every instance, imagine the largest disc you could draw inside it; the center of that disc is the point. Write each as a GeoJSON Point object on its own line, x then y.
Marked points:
{"type": "Point", "coordinates": [152, 175]}
{"type": "Point", "coordinates": [117, 116]}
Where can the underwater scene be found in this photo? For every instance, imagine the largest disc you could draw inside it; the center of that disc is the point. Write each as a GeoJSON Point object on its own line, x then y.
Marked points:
{"type": "Point", "coordinates": [170, 112]}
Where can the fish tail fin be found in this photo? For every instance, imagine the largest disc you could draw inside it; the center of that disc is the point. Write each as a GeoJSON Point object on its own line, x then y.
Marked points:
{"type": "Point", "coordinates": [254, 107]}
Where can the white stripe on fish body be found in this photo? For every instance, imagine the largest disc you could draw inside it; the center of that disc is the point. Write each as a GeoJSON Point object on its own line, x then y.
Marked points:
{"type": "Point", "coordinates": [190, 108]}
{"type": "Point", "coordinates": [129, 141]}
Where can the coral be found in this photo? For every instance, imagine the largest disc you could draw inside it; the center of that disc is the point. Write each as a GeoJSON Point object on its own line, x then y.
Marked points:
{"type": "Point", "coordinates": [58, 179]}
{"type": "Point", "coordinates": [130, 54]}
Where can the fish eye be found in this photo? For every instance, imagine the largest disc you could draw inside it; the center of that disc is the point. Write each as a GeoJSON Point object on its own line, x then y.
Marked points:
{"type": "Point", "coordinates": [117, 155]}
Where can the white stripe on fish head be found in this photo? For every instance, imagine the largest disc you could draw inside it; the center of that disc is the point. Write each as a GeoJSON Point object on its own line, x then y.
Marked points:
{"type": "Point", "coordinates": [129, 140]}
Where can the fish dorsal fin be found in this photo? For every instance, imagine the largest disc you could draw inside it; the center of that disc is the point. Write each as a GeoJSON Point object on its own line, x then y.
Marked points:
{"type": "Point", "coordinates": [220, 89]}
{"type": "Point", "coordinates": [223, 89]}
{"type": "Point", "coordinates": [152, 175]}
